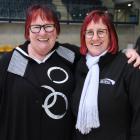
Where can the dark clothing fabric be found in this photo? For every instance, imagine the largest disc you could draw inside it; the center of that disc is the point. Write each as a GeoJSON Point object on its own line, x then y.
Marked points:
{"type": "Point", "coordinates": [137, 45]}
{"type": "Point", "coordinates": [35, 98]}
{"type": "Point", "coordinates": [118, 99]}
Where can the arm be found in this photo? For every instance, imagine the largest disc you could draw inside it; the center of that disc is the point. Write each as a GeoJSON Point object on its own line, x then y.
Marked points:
{"type": "Point", "coordinates": [4, 61]}
{"type": "Point", "coordinates": [133, 85]}
{"type": "Point", "coordinates": [1, 77]}
{"type": "Point", "coordinates": [133, 57]}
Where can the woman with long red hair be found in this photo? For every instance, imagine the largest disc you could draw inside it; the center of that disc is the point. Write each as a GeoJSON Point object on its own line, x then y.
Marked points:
{"type": "Point", "coordinates": [106, 100]}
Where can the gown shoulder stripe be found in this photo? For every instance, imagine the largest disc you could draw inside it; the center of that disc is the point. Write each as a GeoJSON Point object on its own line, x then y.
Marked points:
{"type": "Point", "coordinates": [66, 53]}
{"type": "Point", "coordinates": [18, 64]}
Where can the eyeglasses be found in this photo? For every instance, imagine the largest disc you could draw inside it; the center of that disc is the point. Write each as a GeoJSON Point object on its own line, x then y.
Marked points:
{"type": "Point", "coordinates": [47, 28]}
{"type": "Point", "coordinates": [101, 33]}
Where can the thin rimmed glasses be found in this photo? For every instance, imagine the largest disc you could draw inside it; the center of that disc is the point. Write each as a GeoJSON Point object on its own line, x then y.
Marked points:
{"type": "Point", "coordinates": [47, 28]}
{"type": "Point", "coordinates": [101, 33]}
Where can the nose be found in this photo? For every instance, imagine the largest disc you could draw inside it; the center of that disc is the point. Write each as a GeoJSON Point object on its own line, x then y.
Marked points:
{"type": "Point", "coordinates": [42, 31]}
{"type": "Point", "coordinates": [95, 36]}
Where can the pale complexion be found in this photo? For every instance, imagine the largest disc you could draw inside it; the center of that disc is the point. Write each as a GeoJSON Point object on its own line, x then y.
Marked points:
{"type": "Point", "coordinates": [97, 38]}
{"type": "Point", "coordinates": [41, 43]}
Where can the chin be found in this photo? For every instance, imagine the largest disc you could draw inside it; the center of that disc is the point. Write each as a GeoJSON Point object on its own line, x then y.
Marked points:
{"type": "Point", "coordinates": [95, 53]}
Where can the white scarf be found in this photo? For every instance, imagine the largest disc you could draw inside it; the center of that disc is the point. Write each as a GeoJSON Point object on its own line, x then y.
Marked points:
{"type": "Point", "coordinates": [88, 116]}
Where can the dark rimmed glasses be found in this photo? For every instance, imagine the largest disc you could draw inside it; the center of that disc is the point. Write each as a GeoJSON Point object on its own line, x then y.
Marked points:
{"type": "Point", "coordinates": [47, 28]}
{"type": "Point", "coordinates": [101, 33]}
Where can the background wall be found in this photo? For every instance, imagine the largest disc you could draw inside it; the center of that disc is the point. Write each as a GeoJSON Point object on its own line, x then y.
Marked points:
{"type": "Point", "coordinates": [13, 34]}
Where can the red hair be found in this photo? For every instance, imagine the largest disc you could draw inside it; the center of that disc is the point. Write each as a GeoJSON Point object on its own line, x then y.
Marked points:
{"type": "Point", "coordinates": [44, 12]}
{"type": "Point", "coordinates": [96, 15]}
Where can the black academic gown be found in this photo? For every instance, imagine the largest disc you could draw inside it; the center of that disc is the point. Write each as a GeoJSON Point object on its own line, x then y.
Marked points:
{"type": "Point", "coordinates": [35, 97]}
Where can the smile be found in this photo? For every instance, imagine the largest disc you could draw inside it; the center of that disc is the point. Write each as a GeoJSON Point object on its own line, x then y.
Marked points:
{"type": "Point", "coordinates": [95, 45]}
{"type": "Point", "coordinates": [43, 39]}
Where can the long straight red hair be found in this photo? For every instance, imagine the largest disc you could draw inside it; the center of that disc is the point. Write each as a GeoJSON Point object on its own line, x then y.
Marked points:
{"type": "Point", "coordinates": [44, 12]}
{"type": "Point", "coordinates": [96, 15]}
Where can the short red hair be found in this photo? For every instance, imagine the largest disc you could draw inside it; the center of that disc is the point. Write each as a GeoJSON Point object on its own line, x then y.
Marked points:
{"type": "Point", "coordinates": [44, 12]}
{"type": "Point", "coordinates": [96, 15]}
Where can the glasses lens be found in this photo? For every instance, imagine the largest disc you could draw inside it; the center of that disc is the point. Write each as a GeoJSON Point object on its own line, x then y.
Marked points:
{"type": "Point", "coordinates": [89, 34]}
{"type": "Point", "coordinates": [101, 33]}
{"type": "Point", "coordinates": [35, 28]}
{"type": "Point", "coordinates": [49, 28]}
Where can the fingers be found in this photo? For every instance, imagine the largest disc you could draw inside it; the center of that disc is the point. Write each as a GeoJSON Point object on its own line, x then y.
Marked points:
{"type": "Point", "coordinates": [135, 59]}
{"type": "Point", "coordinates": [130, 53]}
{"type": "Point", "coordinates": [137, 62]}
{"type": "Point", "coordinates": [132, 58]}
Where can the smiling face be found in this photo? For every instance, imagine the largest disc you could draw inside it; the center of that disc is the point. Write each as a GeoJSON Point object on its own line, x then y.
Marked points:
{"type": "Point", "coordinates": [41, 43]}
{"type": "Point", "coordinates": [97, 38]}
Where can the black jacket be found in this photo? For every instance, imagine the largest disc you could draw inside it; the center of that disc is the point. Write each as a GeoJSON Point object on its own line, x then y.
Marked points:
{"type": "Point", "coordinates": [118, 99]}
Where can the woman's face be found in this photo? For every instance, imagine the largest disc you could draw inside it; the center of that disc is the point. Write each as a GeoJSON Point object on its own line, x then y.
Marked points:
{"type": "Point", "coordinates": [97, 38]}
{"type": "Point", "coordinates": [42, 41]}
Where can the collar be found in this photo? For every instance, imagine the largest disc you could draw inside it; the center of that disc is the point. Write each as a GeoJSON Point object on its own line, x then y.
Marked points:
{"type": "Point", "coordinates": [24, 50]}
{"type": "Point", "coordinates": [104, 61]}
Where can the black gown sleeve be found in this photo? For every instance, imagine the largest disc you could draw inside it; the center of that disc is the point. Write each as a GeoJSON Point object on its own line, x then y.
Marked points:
{"type": "Point", "coordinates": [4, 61]}
{"type": "Point", "coordinates": [133, 86]}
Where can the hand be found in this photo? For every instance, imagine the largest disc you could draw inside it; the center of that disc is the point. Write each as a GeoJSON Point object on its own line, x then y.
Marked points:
{"type": "Point", "coordinates": [132, 56]}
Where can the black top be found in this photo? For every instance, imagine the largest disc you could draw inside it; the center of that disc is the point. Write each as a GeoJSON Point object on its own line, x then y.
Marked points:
{"type": "Point", "coordinates": [35, 98]}
{"type": "Point", "coordinates": [118, 99]}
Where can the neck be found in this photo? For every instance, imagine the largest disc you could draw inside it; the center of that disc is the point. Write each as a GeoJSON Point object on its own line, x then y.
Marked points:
{"type": "Point", "coordinates": [34, 54]}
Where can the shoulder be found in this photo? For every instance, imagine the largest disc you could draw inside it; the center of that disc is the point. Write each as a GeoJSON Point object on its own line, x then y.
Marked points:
{"type": "Point", "coordinates": [71, 47]}
{"type": "Point", "coordinates": [69, 52]}
{"type": "Point", "coordinates": [5, 59]}
{"type": "Point", "coordinates": [120, 58]}
{"type": "Point", "coordinates": [116, 59]}
{"type": "Point", "coordinates": [119, 65]}
{"type": "Point", "coordinates": [4, 62]}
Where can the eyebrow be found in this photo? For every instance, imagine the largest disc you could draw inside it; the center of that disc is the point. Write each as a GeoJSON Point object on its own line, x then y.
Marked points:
{"type": "Point", "coordinates": [41, 25]}
{"type": "Point", "coordinates": [97, 29]}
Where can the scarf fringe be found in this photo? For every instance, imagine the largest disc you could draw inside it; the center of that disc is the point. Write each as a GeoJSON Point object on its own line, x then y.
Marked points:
{"type": "Point", "coordinates": [86, 124]}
